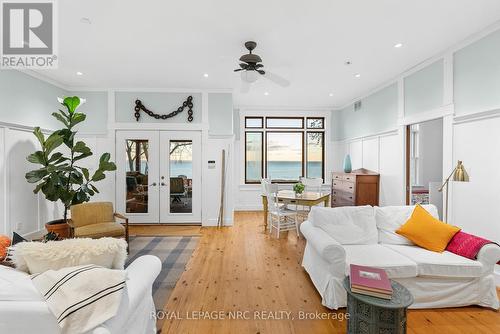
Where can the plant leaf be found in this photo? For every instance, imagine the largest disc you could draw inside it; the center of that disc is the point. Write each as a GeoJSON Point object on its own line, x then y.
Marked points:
{"type": "Point", "coordinates": [71, 102]}
{"type": "Point", "coordinates": [76, 118]}
{"type": "Point", "coordinates": [61, 119]}
{"type": "Point", "coordinates": [85, 172]}
{"type": "Point", "coordinates": [39, 135]}
{"type": "Point", "coordinates": [37, 158]}
{"type": "Point", "coordinates": [35, 175]}
{"type": "Point", "coordinates": [52, 142]}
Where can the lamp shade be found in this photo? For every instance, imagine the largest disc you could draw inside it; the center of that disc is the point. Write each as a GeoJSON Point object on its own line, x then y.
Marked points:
{"type": "Point", "coordinates": [249, 76]}
{"type": "Point", "coordinates": [460, 174]}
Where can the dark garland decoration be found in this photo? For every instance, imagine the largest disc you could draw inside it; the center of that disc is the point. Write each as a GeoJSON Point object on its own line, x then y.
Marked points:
{"type": "Point", "coordinates": [188, 103]}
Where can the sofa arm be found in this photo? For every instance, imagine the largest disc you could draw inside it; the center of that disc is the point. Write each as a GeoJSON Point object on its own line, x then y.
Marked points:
{"type": "Point", "coordinates": [327, 247]}
{"type": "Point", "coordinates": [140, 277]}
{"type": "Point", "coordinates": [489, 255]}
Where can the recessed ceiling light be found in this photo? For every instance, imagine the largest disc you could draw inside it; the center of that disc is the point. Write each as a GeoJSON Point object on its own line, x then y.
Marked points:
{"type": "Point", "coordinates": [266, 93]}
{"type": "Point", "coordinates": [398, 45]}
{"type": "Point", "coordinates": [85, 20]}
{"type": "Point", "coordinates": [79, 73]}
{"type": "Point", "coordinates": [357, 75]}
{"type": "Point", "coordinates": [205, 75]}
{"type": "Point", "coordinates": [331, 94]}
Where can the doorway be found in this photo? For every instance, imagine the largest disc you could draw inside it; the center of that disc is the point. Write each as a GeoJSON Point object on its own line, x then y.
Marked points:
{"type": "Point", "coordinates": [159, 176]}
{"type": "Point", "coordinates": [424, 163]}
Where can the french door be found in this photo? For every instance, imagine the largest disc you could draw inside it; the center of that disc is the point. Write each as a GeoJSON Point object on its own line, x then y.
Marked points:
{"type": "Point", "coordinates": [159, 176]}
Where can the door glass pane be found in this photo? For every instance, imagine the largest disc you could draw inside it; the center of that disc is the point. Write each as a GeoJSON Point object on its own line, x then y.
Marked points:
{"type": "Point", "coordinates": [253, 157]}
{"type": "Point", "coordinates": [284, 156]}
{"type": "Point", "coordinates": [315, 154]}
{"type": "Point", "coordinates": [285, 122]}
{"type": "Point", "coordinates": [137, 175]}
{"type": "Point", "coordinates": [181, 176]}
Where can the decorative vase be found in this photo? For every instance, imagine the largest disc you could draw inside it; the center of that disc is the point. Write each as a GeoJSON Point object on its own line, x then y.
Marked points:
{"type": "Point", "coordinates": [347, 164]}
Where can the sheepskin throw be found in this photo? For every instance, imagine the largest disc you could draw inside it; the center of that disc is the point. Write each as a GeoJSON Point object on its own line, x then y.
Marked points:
{"type": "Point", "coordinates": [38, 257]}
{"type": "Point", "coordinates": [83, 297]}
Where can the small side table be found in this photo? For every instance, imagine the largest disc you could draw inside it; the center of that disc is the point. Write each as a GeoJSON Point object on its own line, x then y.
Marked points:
{"type": "Point", "coordinates": [370, 315]}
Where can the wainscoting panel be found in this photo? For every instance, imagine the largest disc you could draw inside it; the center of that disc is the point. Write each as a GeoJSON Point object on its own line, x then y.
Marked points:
{"type": "Point", "coordinates": [371, 154]}
{"type": "Point", "coordinates": [391, 170]}
{"type": "Point", "coordinates": [356, 152]}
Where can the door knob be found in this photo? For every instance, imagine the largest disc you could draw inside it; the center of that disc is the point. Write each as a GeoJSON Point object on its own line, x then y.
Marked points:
{"type": "Point", "coordinates": [153, 184]}
{"type": "Point", "coordinates": [163, 184]}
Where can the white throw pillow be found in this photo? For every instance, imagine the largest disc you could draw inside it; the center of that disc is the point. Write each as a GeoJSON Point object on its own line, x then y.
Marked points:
{"type": "Point", "coordinates": [390, 218]}
{"type": "Point", "coordinates": [349, 225]}
{"type": "Point", "coordinates": [16, 285]}
{"type": "Point", "coordinates": [38, 257]}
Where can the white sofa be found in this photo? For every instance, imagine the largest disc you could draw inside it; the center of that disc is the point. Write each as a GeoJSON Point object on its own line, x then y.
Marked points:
{"type": "Point", "coordinates": [337, 237]}
{"type": "Point", "coordinates": [23, 310]}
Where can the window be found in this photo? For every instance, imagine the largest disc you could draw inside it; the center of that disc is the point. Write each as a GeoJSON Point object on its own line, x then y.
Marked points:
{"type": "Point", "coordinates": [253, 156]}
{"type": "Point", "coordinates": [254, 122]}
{"type": "Point", "coordinates": [283, 149]}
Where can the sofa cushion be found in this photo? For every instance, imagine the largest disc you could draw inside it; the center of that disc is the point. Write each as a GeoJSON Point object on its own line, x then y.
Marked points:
{"type": "Point", "coordinates": [112, 229]}
{"type": "Point", "coordinates": [426, 231]}
{"type": "Point", "coordinates": [350, 225]}
{"type": "Point", "coordinates": [390, 218]}
{"type": "Point", "coordinates": [445, 264]}
{"type": "Point", "coordinates": [378, 256]}
{"type": "Point", "coordinates": [16, 285]}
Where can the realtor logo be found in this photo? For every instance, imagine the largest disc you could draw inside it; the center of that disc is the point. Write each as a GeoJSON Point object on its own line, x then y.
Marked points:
{"type": "Point", "coordinates": [28, 34]}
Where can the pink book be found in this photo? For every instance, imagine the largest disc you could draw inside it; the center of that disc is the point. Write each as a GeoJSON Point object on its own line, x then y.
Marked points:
{"type": "Point", "coordinates": [369, 278]}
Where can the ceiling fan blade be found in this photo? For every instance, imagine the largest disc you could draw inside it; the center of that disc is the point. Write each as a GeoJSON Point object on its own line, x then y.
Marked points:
{"type": "Point", "coordinates": [261, 72]}
{"type": "Point", "coordinates": [258, 65]}
{"type": "Point", "coordinates": [245, 87]}
{"type": "Point", "coordinates": [277, 79]}
{"type": "Point", "coordinates": [243, 66]}
{"type": "Point", "coordinates": [238, 69]}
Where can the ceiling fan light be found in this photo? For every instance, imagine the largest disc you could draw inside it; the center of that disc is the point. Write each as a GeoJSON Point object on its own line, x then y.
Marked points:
{"type": "Point", "coordinates": [249, 76]}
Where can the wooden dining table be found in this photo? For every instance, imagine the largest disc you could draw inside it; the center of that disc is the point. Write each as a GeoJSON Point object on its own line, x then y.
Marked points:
{"type": "Point", "coordinates": [307, 198]}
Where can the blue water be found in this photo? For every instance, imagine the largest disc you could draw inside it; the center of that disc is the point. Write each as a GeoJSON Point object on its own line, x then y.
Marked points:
{"type": "Point", "coordinates": [276, 170]}
{"type": "Point", "coordinates": [283, 170]}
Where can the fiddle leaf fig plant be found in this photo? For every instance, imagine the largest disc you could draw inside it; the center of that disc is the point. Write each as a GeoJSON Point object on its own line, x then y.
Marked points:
{"type": "Point", "coordinates": [60, 177]}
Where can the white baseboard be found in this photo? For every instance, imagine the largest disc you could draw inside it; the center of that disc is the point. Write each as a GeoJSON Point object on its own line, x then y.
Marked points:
{"type": "Point", "coordinates": [248, 208]}
{"type": "Point", "coordinates": [213, 222]}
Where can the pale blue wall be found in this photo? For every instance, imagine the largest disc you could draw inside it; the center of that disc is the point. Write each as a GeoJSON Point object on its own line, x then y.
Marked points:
{"type": "Point", "coordinates": [379, 113]}
{"type": "Point", "coordinates": [158, 102]}
{"type": "Point", "coordinates": [96, 109]}
{"type": "Point", "coordinates": [477, 76]}
{"type": "Point", "coordinates": [424, 89]}
{"type": "Point", "coordinates": [25, 100]}
{"type": "Point", "coordinates": [220, 113]}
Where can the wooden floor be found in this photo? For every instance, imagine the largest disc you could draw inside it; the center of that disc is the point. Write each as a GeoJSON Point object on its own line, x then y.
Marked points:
{"type": "Point", "coordinates": [164, 230]}
{"type": "Point", "coordinates": [241, 268]}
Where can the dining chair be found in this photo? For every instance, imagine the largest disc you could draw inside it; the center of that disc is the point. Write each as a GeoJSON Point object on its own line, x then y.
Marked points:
{"type": "Point", "coordinates": [311, 184]}
{"type": "Point", "coordinates": [280, 218]}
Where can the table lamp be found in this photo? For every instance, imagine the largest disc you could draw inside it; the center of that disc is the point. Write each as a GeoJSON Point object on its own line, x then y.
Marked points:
{"type": "Point", "coordinates": [459, 175]}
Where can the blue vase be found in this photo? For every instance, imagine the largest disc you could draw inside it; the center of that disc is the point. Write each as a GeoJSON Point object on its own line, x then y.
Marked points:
{"type": "Point", "coordinates": [347, 164]}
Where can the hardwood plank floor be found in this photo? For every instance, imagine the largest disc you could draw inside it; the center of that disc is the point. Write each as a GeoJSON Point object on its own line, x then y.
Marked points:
{"type": "Point", "coordinates": [241, 268]}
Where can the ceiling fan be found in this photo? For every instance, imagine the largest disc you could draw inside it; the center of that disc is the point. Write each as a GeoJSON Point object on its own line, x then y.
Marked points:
{"type": "Point", "coordinates": [251, 69]}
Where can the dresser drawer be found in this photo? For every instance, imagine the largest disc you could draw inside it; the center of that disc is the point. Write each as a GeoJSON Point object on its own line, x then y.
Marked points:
{"type": "Point", "coordinates": [349, 178]}
{"type": "Point", "coordinates": [342, 200]}
{"type": "Point", "coordinates": [337, 176]}
{"type": "Point", "coordinates": [337, 184]}
{"type": "Point", "coordinates": [348, 187]}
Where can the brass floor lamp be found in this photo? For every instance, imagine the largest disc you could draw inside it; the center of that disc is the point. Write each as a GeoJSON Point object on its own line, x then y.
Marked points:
{"type": "Point", "coordinates": [459, 175]}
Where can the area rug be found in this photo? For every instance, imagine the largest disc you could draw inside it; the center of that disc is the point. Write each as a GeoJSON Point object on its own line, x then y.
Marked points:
{"type": "Point", "coordinates": [174, 253]}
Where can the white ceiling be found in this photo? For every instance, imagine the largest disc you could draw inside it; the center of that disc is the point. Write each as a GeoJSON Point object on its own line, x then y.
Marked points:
{"type": "Point", "coordinates": [171, 44]}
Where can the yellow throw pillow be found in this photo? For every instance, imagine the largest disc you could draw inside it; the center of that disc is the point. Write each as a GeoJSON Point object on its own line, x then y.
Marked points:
{"type": "Point", "coordinates": [426, 231]}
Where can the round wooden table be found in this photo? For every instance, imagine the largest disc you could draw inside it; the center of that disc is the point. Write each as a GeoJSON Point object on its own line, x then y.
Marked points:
{"type": "Point", "coordinates": [370, 315]}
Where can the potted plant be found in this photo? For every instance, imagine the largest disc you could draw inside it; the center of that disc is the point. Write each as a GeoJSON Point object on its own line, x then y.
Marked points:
{"type": "Point", "coordinates": [60, 176]}
{"type": "Point", "coordinates": [298, 188]}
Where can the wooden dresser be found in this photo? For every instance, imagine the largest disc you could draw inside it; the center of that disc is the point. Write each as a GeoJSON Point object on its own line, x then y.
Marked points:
{"type": "Point", "coordinates": [360, 187]}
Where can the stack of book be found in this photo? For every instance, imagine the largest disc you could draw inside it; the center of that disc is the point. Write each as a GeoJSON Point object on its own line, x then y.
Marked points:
{"type": "Point", "coordinates": [370, 281]}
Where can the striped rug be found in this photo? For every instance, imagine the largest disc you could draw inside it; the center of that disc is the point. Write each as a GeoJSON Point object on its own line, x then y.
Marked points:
{"type": "Point", "coordinates": [174, 253]}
